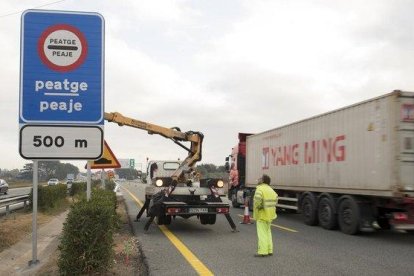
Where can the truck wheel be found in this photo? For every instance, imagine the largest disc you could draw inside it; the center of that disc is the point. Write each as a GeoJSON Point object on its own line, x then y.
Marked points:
{"type": "Point", "coordinates": [234, 202]}
{"type": "Point", "coordinates": [326, 213]}
{"type": "Point", "coordinates": [309, 210]}
{"type": "Point", "coordinates": [251, 202]}
{"type": "Point", "coordinates": [348, 215]}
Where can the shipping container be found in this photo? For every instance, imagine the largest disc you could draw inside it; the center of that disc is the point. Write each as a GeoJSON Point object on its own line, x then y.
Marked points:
{"type": "Point", "coordinates": [359, 155]}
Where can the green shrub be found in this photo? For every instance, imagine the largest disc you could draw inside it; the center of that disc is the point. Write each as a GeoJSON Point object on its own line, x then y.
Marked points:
{"type": "Point", "coordinates": [49, 197]}
{"type": "Point", "coordinates": [87, 239]}
{"type": "Point", "coordinates": [77, 188]}
{"type": "Point", "coordinates": [110, 185]}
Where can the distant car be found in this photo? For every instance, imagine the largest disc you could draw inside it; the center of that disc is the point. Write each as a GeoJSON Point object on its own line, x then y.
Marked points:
{"type": "Point", "coordinates": [53, 181]}
{"type": "Point", "coordinates": [4, 187]}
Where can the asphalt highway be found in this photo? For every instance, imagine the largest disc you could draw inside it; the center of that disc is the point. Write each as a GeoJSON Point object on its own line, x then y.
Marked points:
{"type": "Point", "coordinates": [186, 247]}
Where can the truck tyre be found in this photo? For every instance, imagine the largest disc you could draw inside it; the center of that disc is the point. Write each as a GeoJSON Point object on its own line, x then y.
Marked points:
{"type": "Point", "coordinates": [326, 213]}
{"type": "Point", "coordinates": [309, 209]}
{"type": "Point", "coordinates": [348, 215]}
{"type": "Point", "coordinates": [208, 219]}
{"type": "Point", "coordinates": [251, 202]}
{"type": "Point", "coordinates": [234, 202]}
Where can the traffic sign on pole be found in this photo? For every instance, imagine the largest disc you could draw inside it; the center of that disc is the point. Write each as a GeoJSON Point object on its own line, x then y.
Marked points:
{"type": "Point", "coordinates": [62, 69]}
{"type": "Point", "coordinates": [61, 84]}
{"type": "Point", "coordinates": [107, 161]}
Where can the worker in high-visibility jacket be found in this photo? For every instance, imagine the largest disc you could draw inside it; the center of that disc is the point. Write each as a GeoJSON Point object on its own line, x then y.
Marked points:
{"type": "Point", "coordinates": [264, 212]}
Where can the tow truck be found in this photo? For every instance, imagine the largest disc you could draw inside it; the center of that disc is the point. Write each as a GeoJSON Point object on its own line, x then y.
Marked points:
{"type": "Point", "coordinates": [184, 193]}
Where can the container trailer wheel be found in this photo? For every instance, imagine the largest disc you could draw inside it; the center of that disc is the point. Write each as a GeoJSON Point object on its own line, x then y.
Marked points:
{"type": "Point", "coordinates": [348, 215]}
{"type": "Point", "coordinates": [309, 208]}
{"type": "Point", "coordinates": [327, 213]}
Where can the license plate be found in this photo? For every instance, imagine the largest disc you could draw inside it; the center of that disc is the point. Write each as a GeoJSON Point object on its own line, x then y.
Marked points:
{"type": "Point", "coordinates": [198, 210]}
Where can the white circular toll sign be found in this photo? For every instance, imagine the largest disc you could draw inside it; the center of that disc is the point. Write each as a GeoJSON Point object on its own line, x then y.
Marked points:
{"type": "Point", "coordinates": [62, 47]}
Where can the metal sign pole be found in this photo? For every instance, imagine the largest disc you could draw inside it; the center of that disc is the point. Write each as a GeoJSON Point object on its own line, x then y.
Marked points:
{"type": "Point", "coordinates": [102, 178]}
{"type": "Point", "coordinates": [34, 260]}
{"type": "Point", "coordinates": [88, 181]}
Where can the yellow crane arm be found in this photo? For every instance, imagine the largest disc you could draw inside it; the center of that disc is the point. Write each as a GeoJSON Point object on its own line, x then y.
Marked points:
{"type": "Point", "coordinates": [196, 139]}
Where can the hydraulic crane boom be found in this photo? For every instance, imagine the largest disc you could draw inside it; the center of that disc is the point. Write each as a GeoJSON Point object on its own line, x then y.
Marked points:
{"type": "Point", "coordinates": [175, 134]}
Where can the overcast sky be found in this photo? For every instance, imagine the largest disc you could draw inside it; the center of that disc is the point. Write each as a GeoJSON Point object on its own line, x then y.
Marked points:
{"type": "Point", "coordinates": [223, 67]}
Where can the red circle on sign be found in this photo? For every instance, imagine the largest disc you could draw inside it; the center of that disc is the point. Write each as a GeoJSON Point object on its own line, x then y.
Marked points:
{"type": "Point", "coordinates": [50, 64]}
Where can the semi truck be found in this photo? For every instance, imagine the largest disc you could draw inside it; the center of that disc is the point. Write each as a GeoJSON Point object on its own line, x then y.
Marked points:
{"type": "Point", "coordinates": [180, 191]}
{"type": "Point", "coordinates": [351, 168]}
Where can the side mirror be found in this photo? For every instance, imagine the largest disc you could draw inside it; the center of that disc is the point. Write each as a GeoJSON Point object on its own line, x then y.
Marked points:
{"type": "Point", "coordinates": [227, 159]}
{"type": "Point", "coordinates": [227, 165]}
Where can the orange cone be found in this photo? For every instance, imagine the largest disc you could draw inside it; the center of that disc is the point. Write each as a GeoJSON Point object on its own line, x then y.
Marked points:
{"type": "Point", "coordinates": [246, 216]}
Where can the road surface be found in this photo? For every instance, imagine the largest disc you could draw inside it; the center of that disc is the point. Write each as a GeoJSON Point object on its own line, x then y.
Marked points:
{"type": "Point", "coordinates": [188, 248]}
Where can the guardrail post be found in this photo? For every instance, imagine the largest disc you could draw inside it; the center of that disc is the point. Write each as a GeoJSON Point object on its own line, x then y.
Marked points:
{"type": "Point", "coordinates": [7, 210]}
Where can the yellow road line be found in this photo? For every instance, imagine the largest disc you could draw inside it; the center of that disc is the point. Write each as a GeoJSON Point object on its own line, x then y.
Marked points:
{"type": "Point", "coordinates": [188, 255]}
{"type": "Point", "coordinates": [278, 226]}
{"type": "Point", "coordinates": [134, 197]}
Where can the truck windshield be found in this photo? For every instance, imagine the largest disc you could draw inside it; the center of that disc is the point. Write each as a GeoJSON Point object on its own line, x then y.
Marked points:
{"type": "Point", "coordinates": [171, 165]}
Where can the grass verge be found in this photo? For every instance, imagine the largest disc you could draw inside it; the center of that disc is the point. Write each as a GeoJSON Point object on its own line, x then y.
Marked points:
{"type": "Point", "coordinates": [18, 224]}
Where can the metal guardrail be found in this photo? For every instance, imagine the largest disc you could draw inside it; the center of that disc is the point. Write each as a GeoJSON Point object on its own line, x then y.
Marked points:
{"type": "Point", "coordinates": [6, 203]}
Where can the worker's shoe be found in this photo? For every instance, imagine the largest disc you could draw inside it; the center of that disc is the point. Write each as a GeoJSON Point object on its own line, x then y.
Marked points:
{"type": "Point", "coordinates": [260, 255]}
{"type": "Point", "coordinates": [270, 254]}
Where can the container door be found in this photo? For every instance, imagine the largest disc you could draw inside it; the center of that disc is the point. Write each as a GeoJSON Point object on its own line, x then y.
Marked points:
{"type": "Point", "coordinates": [406, 134]}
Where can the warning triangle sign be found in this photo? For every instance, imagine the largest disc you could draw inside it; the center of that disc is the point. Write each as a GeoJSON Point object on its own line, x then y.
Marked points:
{"type": "Point", "coordinates": [107, 160]}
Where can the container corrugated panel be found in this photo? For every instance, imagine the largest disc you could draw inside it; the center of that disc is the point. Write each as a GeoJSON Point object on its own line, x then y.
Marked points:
{"type": "Point", "coordinates": [366, 148]}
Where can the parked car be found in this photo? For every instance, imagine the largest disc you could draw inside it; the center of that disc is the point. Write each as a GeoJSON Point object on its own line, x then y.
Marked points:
{"type": "Point", "coordinates": [4, 187]}
{"type": "Point", "coordinates": [53, 181]}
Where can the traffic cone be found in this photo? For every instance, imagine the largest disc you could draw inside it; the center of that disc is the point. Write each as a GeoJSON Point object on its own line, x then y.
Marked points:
{"type": "Point", "coordinates": [246, 216]}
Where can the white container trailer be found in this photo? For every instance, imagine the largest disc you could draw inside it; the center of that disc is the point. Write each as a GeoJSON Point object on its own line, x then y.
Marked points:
{"type": "Point", "coordinates": [352, 166]}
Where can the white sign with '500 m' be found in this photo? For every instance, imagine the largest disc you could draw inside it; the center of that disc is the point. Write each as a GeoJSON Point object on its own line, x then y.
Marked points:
{"type": "Point", "coordinates": [60, 142]}
{"type": "Point", "coordinates": [49, 141]}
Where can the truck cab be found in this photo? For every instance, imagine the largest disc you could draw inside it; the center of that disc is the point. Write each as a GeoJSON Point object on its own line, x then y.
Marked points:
{"type": "Point", "coordinates": [161, 168]}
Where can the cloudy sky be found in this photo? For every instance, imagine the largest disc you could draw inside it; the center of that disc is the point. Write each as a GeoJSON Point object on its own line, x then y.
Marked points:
{"type": "Point", "coordinates": [223, 67]}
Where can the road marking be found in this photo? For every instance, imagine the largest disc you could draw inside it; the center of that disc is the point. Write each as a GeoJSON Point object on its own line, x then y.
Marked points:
{"type": "Point", "coordinates": [278, 226]}
{"type": "Point", "coordinates": [188, 255]}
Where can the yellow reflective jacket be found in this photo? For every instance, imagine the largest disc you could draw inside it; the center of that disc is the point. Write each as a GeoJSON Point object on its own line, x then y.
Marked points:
{"type": "Point", "coordinates": [265, 200]}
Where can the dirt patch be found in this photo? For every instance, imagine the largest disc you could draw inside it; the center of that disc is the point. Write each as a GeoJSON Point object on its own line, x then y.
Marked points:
{"type": "Point", "coordinates": [128, 259]}
{"type": "Point", "coordinates": [18, 225]}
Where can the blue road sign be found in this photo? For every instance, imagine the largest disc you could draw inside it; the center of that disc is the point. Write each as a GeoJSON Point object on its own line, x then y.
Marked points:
{"type": "Point", "coordinates": [62, 68]}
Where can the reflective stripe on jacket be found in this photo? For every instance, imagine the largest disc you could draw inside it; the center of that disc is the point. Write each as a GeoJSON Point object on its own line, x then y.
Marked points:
{"type": "Point", "coordinates": [265, 201]}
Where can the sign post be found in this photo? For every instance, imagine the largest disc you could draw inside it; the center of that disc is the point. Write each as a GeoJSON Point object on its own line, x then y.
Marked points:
{"type": "Point", "coordinates": [34, 260]}
{"type": "Point", "coordinates": [61, 107]}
